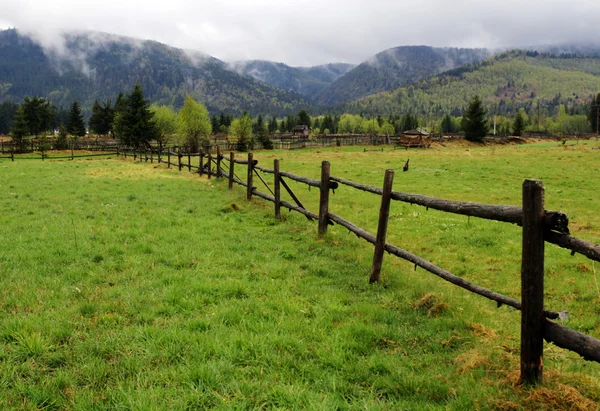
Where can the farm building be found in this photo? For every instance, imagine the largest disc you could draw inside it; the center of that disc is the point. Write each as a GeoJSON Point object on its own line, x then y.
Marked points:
{"type": "Point", "coordinates": [414, 138]}
{"type": "Point", "coordinates": [301, 131]}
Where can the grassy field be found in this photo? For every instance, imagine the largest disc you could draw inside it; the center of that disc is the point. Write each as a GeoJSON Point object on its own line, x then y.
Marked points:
{"type": "Point", "coordinates": [130, 286]}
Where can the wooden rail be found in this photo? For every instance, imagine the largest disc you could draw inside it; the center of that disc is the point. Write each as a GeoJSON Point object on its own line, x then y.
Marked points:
{"type": "Point", "coordinates": [539, 226]}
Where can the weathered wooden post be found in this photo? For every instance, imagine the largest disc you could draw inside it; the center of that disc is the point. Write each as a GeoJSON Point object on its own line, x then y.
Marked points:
{"type": "Point", "coordinates": [231, 167]}
{"type": "Point", "coordinates": [384, 213]}
{"type": "Point", "coordinates": [168, 159]}
{"type": "Point", "coordinates": [532, 283]}
{"type": "Point", "coordinates": [218, 161]}
{"type": "Point", "coordinates": [277, 189]}
{"type": "Point", "coordinates": [250, 175]}
{"type": "Point", "coordinates": [324, 198]}
{"type": "Point", "coordinates": [201, 163]}
{"type": "Point", "coordinates": [179, 158]}
{"type": "Point", "coordinates": [189, 161]}
{"type": "Point", "coordinates": [209, 164]}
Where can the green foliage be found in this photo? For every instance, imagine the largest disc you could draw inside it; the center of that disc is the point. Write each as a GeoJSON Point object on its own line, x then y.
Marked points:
{"type": "Point", "coordinates": [303, 118]}
{"type": "Point", "coordinates": [39, 115]}
{"type": "Point", "coordinates": [518, 124]}
{"type": "Point", "coordinates": [133, 123]}
{"type": "Point", "coordinates": [193, 124]}
{"type": "Point", "coordinates": [7, 115]}
{"type": "Point", "coordinates": [102, 118]}
{"type": "Point", "coordinates": [474, 123]}
{"type": "Point", "coordinates": [505, 82]}
{"type": "Point", "coordinates": [241, 131]}
{"type": "Point", "coordinates": [76, 125]}
{"type": "Point", "coordinates": [395, 68]}
{"type": "Point", "coordinates": [409, 122]}
{"type": "Point", "coordinates": [447, 125]}
{"type": "Point", "coordinates": [19, 128]}
{"type": "Point", "coordinates": [62, 141]}
{"type": "Point", "coordinates": [165, 122]}
{"type": "Point", "coordinates": [594, 113]}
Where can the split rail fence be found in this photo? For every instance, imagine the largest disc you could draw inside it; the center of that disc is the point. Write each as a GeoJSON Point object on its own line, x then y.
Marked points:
{"type": "Point", "coordinates": [538, 227]}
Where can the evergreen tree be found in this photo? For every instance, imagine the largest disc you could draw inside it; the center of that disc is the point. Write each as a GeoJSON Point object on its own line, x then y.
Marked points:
{"type": "Point", "coordinates": [39, 115]}
{"type": "Point", "coordinates": [593, 112]}
{"type": "Point", "coordinates": [8, 111]}
{"type": "Point", "coordinates": [133, 119]}
{"type": "Point", "coordinates": [102, 118]}
{"type": "Point", "coordinates": [290, 123]}
{"type": "Point", "coordinates": [62, 141]}
{"type": "Point", "coordinates": [214, 122]}
{"type": "Point", "coordinates": [273, 125]}
{"type": "Point", "coordinates": [474, 123]}
{"type": "Point", "coordinates": [447, 125]}
{"type": "Point", "coordinates": [76, 125]}
{"type": "Point", "coordinates": [19, 128]}
{"type": "Point", "coordinates": [303, 119]}
{"type": "Point", "coordinates": [518, 125]}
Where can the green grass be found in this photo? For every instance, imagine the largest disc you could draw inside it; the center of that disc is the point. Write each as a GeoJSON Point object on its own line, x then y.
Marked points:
{"type": "Point", "coordinates": [132, 286]}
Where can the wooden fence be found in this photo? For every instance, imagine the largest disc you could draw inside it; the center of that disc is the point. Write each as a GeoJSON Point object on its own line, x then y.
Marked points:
{"type": "Point", "coordinates": [538, 227]}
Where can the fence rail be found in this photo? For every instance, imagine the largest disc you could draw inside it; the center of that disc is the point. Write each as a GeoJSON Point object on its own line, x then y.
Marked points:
{"type": "Point", "coordinates": [538, 226]}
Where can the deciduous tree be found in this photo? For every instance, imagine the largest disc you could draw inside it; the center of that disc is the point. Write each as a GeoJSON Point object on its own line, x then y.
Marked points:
{"type": "Point", "coordinates": [193, 123]}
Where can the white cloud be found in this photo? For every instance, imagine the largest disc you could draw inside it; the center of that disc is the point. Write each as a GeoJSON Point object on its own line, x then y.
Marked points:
{"type": "Point", "coordinates": [306, 32]}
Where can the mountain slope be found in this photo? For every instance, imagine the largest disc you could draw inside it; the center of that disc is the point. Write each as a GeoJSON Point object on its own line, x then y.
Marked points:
{"type": "Point", "coordinates": [306, 81]}
{"type": "Point", "coordinates": [506, 82]}
{"type": "Point", "coordinates": [89, 66]}
{"type": "Point", "coordinates": [396, 67]}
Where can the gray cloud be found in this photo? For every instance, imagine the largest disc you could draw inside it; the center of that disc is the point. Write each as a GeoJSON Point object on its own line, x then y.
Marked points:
{"type": "Point", "coordinates": [307, 32]}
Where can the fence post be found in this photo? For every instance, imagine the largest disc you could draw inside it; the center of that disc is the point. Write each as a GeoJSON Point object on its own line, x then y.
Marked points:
{"type": "Point", "coordinates": [384, 213]}
{"type": "Point", "coordinates": [189, 162]}
{"type": "Point", "coordinates": [209, 164]}
{"type": "Point", "coordinates": [218, 161]}
{"type": "Point", "coordinates": [324, 198]}
{"type": "Point", "coordinates": [532, 283]}
{"type": "Point", "coordinates": [250, 172]}
{"type": "Point", "coordinates": [179, 158]}
{"type": "Point", "coordinates": [231, 167]}
{"type": "Point", "coordinates": [277, 189]}
{"type": "Point", "coordinates": [201, 164]}
{"type": "Point", "coordinates": [168, 159]}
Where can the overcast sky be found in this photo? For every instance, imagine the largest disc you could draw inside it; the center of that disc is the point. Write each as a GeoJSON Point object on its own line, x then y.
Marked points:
{"type": "Point", "coordinates": [308, 32]}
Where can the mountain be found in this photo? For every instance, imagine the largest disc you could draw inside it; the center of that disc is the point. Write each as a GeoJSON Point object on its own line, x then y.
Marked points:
{"type": "Point", "coordinates": [505, 82]}
{"type": "Point", "coordinates": [394, 68]}
{"type": "Point", "coordinates": [89, 65]}
{"type": "Point", "coordinates": [307, 81]}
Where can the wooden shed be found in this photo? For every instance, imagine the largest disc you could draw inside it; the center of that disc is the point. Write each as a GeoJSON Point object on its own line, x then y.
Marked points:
{"type": "Point", "coordinates": [301, 131]}
{"type": "Point", "coordinates": [415, 138]}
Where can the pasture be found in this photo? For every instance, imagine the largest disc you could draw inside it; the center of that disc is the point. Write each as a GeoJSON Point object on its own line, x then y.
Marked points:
{"type": "Point", "coordinates": [129, 285]}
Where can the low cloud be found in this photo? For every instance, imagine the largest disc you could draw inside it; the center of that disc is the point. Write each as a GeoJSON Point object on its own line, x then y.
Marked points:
{"type": "Point", "coordinates": [310, 32]}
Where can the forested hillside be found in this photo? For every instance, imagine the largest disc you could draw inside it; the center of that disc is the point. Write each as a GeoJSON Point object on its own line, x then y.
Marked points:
{"type": "Point", "coordinates": [506, 83]}
{"type": "Point", "coordinates": [98, 66]}
{"type": "Point", "coordinates": [307, 81]}
{"type": "Point", "coordinates": [396, 67]}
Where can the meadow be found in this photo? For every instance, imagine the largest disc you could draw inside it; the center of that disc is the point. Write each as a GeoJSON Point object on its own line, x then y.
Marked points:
{"type": "Point", "coordinates": [132, 286]}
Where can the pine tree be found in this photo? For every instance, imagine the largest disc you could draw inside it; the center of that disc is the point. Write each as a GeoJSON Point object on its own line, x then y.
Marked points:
{"type": "Point", "coordinates": [447, 125]}
{"type": "Point", "coordinates": [474, 123]}
{"type": "Point", "coordinates": [39, 115]}
{"type": "Point", "coordinates": [19, 128]}
{"type": "Point", "coordinates": [61, 140]}
{"type": "Point", "coordinates": [76, 125]}
{"type": "Point", "coordinates": [133, 119]}
{"type": "Point", "coordinates": [593, 113]}
{"type": "Point", "coordinates": [518, 125]}
{"type": "Point", "coordinates": [303, 119]}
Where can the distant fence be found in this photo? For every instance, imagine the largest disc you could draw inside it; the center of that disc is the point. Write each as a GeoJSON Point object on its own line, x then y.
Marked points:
{"type": "Point", "coordinates": [539, 226]}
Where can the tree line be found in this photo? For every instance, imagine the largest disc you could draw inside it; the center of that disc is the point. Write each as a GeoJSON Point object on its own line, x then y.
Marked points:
{"type": "Point", "coordinates": [136, 122]}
